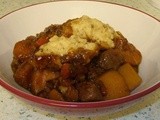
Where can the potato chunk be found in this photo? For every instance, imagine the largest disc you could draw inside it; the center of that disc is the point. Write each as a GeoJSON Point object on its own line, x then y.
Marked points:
{"type": "Point", "coordinates": [131, 77]}
{"type": "Point", "coordinates": [115, 85]}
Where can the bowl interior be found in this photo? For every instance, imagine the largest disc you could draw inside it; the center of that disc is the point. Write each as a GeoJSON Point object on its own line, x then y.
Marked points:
{"type": "Point", "coordinates": [140, 29]}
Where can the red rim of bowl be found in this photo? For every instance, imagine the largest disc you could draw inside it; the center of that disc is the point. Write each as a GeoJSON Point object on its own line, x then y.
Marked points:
{"type": "Point", "coordinates": [98, 104]}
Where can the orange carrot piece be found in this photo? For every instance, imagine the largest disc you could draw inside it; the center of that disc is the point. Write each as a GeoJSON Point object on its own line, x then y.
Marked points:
{"type": "Point", "coordinates": [65, 70]}
{"type": "Point", "coordinates": [42, 40]}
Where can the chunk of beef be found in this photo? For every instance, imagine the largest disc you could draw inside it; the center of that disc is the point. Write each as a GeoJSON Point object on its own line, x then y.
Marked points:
{"type": "Point", "coordinates": [55, 95]}
{"type": "Point", "coordinates": [68, 91]}
{"type": "Point", "coordinates": [110, 59]}
{"type": "Point", "coordinates": [88, 91]}
{"type": "Point", "coordinates": [23, 74]}
{"type": "Point", "coordinates": [46, 61]}
{"type": "Point", "coordinates": [94, 71]}
{"type": "Point", "coordinates": [24, 49]}
{"type": "Point", "coordinates": [130, 53]}
{"type": "Point", "coordinates": [59, 30]}
{"type": "Point", "coordinates": [120, 41]}
{"type": "Point", "coordinates": [40, 78]}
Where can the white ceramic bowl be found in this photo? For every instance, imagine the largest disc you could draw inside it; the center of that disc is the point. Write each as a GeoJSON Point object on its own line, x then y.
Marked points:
{"type": "Point", "coordinates": [139, 28]}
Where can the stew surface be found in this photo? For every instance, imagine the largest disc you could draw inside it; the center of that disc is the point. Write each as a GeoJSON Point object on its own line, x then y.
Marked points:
{"type": "Point", "coordinates": [81, 60]}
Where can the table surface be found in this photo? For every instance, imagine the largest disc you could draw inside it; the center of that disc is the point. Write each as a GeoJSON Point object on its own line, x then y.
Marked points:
{"type": "Point", "coordinates": [11, 108]}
